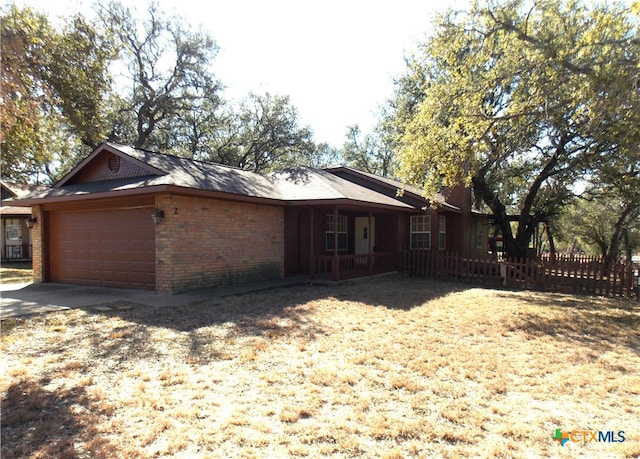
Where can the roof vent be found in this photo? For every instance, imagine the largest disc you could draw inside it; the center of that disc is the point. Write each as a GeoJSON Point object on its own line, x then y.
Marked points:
{"type": "Point", "coordinates": [113, 163]}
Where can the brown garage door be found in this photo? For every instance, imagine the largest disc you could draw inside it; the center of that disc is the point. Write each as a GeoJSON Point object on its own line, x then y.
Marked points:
{"type": "Point", "coordinates": [109, 247]}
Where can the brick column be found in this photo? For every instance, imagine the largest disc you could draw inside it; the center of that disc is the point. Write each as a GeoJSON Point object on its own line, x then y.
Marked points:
{"type": "Point", "coordinates": [164, 245]}
{"type": "Point", "coordinates": [37, 245]}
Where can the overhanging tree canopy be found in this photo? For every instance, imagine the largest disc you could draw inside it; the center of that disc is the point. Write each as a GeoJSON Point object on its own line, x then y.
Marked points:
{"type": "Point", "coordinates": [60, 99]}
{"type": "Point", "coordinates": [53, 85]}
{"type": "Point", "coordinates": [519, 100]}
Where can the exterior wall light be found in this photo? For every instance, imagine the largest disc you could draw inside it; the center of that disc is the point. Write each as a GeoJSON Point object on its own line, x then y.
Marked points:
{"type": "Point", "coordinates": [157, 215]}
{"type": "Point", "coordinates": [31, 221]}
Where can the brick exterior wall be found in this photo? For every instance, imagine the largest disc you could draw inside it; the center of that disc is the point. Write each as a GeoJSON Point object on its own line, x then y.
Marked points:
{"type": "Point", "coordinates": [37, 248]}
{"type": "Point", "coordinates": [205, 242]}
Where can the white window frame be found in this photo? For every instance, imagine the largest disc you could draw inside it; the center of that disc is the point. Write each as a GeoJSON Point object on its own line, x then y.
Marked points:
{"type": "Point", "coordinates": [343, 231]}
{"type": "Point", "coordinates": [442, 232]}
{"type": "Point", "coordinates": [420, 225]}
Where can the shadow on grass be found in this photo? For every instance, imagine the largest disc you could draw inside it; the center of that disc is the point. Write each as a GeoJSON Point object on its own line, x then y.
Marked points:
{"type": "Point", "coordinates": [398, 291]}
{"type": "Point", "coordinates": [261, 314]}
{"type": "Point", "coordinates": [38, 423]}
{"type": "Point", "coordinates": [210, 328]}
{"type": "Point", "coordinates": [600, 323]}
{"type": "Point", "coordinates": [254, 313]}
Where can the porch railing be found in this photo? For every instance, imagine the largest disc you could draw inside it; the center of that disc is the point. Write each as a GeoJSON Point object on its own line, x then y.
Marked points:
{"type": "Point", "coordinates": [543, 274]}
{"type": "Point", "coordinates": [352, 266]}
{"type": "Point", "coordinates": [17, 252]}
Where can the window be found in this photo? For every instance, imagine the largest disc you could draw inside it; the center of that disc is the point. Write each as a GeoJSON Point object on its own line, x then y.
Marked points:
{"type": "Point", "coordinates": [479, 235]}
{"type": "Point", "coordinates": [342, 233]}
{"type": "Point", "coordinates": [442, 232]}
{"type": "Point", "coordinates": [421, 232]}
{"type": "Point", "coordinates": [13, 233]}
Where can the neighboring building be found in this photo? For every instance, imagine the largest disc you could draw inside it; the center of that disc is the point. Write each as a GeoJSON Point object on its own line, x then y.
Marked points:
{"type": "Point", "coordinates": [215, 224]}
{"type": "Point", "coordinates": [15, 238]}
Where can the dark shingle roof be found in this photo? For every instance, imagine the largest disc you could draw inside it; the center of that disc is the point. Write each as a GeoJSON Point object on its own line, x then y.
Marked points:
{"type": "Point", "coordinates": [166, 170]}
{"type": "Point", "coordinates": [13, 191]}
{"type": "Point", "coordinates": [189, 173]}
{"type": "Point", "coordinates": [309, 184]}
{"type": "Point", "coordinates": [396, 186]}
{"type": "Point", "coordinates": [294, 185]}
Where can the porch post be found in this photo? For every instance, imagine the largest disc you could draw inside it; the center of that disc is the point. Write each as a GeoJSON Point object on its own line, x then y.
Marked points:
{"type": "Point", "coordinates": [335, 265]}
{"type": "Point", "coordinates": [370, 255]}
{"type": "Point", "coordinates": [312, 261]}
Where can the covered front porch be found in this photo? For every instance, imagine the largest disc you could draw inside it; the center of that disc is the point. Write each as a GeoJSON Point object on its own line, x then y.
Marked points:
{"type": "Point", "coordinates": [343, 241]}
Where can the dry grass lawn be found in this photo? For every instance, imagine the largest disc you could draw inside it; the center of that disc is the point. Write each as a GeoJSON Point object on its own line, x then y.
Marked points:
{"type": "Point", "coordinates": [13, 272]}
{"type": "Point", "coordinates": [390, 367]}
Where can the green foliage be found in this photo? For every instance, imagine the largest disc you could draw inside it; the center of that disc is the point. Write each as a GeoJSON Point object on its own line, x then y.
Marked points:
{"type": "Point", "coordinates": [77, 71]}
{"type": "Point", "coordinates": [262, 134]}
{"type": "Point", "coordinates": [60, 99]}
{"type": "Point", "coordinates": [371, 153]}
{"type": "Point", "coordinates": [53, 83]}
{"type": "Point", "coordinates": [589, 224]}
{"type": "Point", "coordinates": [519, 100]}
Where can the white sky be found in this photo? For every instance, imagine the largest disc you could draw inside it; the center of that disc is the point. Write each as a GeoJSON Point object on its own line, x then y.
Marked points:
{"type": "Point", "coordinates": [336, 59]}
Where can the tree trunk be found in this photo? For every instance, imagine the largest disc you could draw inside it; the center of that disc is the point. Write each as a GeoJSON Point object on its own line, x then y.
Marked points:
{"type": "Point", "coordinates": [522, 243]}
{"type": "Point", "coordinates": [512, 245]}
{"type": "Point", "coordinates": [614, 243]}
{"type": "Point", "coordinates": [627, 247]}
{"type": "Point", "coordinates": [552, 244]}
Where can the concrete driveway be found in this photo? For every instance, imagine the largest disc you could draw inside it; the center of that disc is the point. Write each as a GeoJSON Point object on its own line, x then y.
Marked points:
{"type": "Point", "coordinates": [22, 299]}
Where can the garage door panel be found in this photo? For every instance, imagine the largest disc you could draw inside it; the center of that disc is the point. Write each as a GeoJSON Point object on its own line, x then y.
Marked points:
{"type": "Point", "coordinates": [109, 247]}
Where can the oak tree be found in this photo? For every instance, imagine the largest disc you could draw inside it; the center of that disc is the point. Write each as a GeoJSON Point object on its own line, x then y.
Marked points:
{"type": "Point", "coordinates": [168, 74]}
{"type": "Point", "coordinates": [261, 134]}
{"type": "Point", "coordinates": [519, 100]}
{"type": "Point", "coordinates": [53, 87]}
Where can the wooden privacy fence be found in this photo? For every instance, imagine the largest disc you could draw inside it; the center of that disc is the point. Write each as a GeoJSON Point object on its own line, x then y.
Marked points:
{"type": "Point", "coordinates": [561, 274]}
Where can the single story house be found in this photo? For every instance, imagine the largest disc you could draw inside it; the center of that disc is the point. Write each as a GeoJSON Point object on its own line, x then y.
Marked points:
{"type": "Point", "coordinates": [127, 217]}
{"type": "Point", "coordinates": [15, 235]}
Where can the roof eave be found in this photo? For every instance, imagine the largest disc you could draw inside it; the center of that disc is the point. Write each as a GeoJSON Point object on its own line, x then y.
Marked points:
{"type": "Point", "coordinates": [88, 195]}
{"type": "Point", "coordinates": [348, 202]}
{"type": "Point", "coordinates": [153, 189]}
{"type": "Point", "coordinates": [9, 211]}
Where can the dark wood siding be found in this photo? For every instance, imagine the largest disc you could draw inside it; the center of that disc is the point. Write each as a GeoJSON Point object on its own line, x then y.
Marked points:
{"type": "Point", "coordinates": [106, 247]}
{"type": "Point", "coordinates": [297, 246]}
{"type": "Point", "coordinates": [291, 242]}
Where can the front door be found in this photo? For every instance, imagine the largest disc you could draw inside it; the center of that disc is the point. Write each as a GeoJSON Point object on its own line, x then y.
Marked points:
{"type": "Point", "coordinates": [365, 235]}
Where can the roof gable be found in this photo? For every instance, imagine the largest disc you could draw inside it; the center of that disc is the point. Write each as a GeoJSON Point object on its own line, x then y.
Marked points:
{"type": "Point", "coordinates": [392, 188]}
{"type": "Point", "coordinates": [13, 191]}
{"type": "Point", "coordinates": [308, 185]}
{"type": "Point", "coordinates": [18, 190]}
{"type": "Point", "coordinates": [108, 162]}
{"type": "Point", "coordinates": [113, 168]}
{"type": "Point", "coordinates": [6, 192]}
